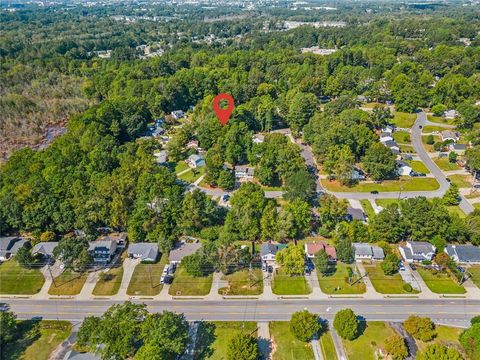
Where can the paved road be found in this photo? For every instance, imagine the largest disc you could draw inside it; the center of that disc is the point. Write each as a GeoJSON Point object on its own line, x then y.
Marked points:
{"type": "Point", "coordinates": [455, 311]}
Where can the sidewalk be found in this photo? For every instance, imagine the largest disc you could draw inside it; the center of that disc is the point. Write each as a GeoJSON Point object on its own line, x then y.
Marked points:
{"type": "Point", "coordinates": [267, 287]}
{"type": "Point", "coordinates": [317, 350]}
{"type": "Point", "coordinates": [264, 342]}
{"type": "Point", "coordinates": [426, 292]}
{"type": "Point", "coordinates": [315, 286]}
{"type": "Point", "coordinates": [87, 289]}
{"type": "Point", "coordinates": [341, 355]}
{"type": "Point", "coordinates": [217, 284]}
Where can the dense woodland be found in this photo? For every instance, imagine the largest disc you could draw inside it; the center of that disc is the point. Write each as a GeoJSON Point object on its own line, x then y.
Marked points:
{"type": "Point", "coordinates": [101, 174]}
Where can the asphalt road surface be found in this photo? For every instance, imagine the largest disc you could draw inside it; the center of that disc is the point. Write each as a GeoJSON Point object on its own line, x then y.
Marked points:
{"type": "Point", "coordinates": [452, 311]}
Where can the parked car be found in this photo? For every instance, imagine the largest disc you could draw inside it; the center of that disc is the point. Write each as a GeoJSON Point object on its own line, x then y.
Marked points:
{"type": "Point", "coordinates": [374, 192]}
{"type": "Point", "coordinates": [413, 267]}
{"type": "Point", "coordinates": [401, 267]}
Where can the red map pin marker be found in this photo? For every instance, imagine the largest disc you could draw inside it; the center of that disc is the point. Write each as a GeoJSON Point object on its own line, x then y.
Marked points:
{"type": "Point", "coordinates": [223, 114]}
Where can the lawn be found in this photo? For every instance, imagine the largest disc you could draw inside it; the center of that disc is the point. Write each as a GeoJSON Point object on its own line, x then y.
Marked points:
{"type": "Point", "coordinates": [462, 181]}
{"type": "Point", "coordinates": [213, 337]}
{"type": "Point", "coordinates": [407, 184]}
{"type": "Point", "coordinates": [386, 284]}
{"type": "Point", "coordinates": [243, 282]}
{"type": "Point", "coordinates": [335, 282]}
{"type": "Point", "coordinates": [456, 210]}
{"type": "Point", "coordinates": [405, 148]}
{"type": "Point", "coordinates": [476, 206]}
{"type": "Point", "coordinates": [385, 202]}
{"type": "Point", "coordinates": [402, 137]}
{"type": "Point", "coordinates": [367, 206]}
{"type": "Point", "coordinates": [284, 284]}
{"type": "Point", "coordinates": [444, 164]}
{"type": "Point", "coordinates": [419, 166]}
{"type": "Point", "coordinates": [109, 282]}
{"type": "Point", "coordinates": [15, 279]}
{"type": "Point", "coordinates": [37, 339]}
{"type": "Point", "coordinates": [440, 282]}
{"type": "Point", "coordinates": [68, 283]}
{"type": "Point", "coordinates": [146, 278]}
{"type": "Point", "coordinates": [403, 120]}
{"type": "Point", "coordinates": [440, 120]}
{"type": "Point", "coordinates": [187, 285]}
{"type": "Point", "coordinates": [285, 346]}
{"type": "Point", "coordinates": [365, 345]}
{"type": "Point", "coordinates": [431, 129]}
{"type": "Point", "coordinates": [191, 176]}
{"type": "Point", "coordinates": [328, 347]}
{"type": "Point", "coordinates": [429, 147]}
{"type": "Point", "coordinates": [475, 271]}
{"type": "Point", "coordinates": [181, 166]}
{"type": "Point", "coordinates": [446, 335]}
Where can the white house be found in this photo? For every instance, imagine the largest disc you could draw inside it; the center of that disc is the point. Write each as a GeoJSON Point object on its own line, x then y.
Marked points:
{"type": "Point", "coordinates": [464, 254]}
{"type": "Point", "coordinates": [403, 168]}
{"type": "Point", "coordinates": [386, 136]}
{"type": "Point", "coordinates": [258, 138]}
{"type": "Point", "coordinates": [178, 114]}
{"type": "Point", "coordinates": [268, 253]}
{"type": "Point", "coordinates": [195, 161]}
{"type": "Point", "coordinates": [364, 251]}
{"type": "Point", "coordinates": [388, 129]}
{"type": "Point", "coordinates": [450, 114]}
{"type": "Point", "coordinates": [417, 251]}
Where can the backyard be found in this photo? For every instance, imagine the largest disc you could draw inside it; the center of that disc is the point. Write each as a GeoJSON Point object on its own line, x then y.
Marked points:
{"type": "Point", "coordinates": [440, 282]}
{"type": "Point", "coordinates": [187, 285]}
{"type": "Point", "coordinates": [109, 282]}
{"type": "Point", "coordinates": [285, 346]}
{"type": "Point", "coordinates": [146, 278]}
{"type": "Point", "coordinates": [335, 282]}
{"type": "Point", "coordinates": [283, 284]}
{"type": "Point", "coordinates": [373, 337]}
{"type": "Point", "coordinates": [14, 279]}
{"type": "Point", "coordinates": [243, 282]}
{"type": "Point", "coordinates": [385, 284]}
{"type": "Point", "coordinates": [68, 283]}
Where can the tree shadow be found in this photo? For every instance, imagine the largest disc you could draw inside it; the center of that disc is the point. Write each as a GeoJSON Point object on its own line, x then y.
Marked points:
{"type": "Point", "coordinates": [27, 333]}
{"type": "Point", "coordinates": [265, 346]}
{"type": "Point", "coordinates": [205, 338]}
{"type": "Point", "coordinates": [362, 326]}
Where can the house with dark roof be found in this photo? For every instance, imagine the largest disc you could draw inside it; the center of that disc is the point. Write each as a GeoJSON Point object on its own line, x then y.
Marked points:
{"type": "Point", "coordinates": [364, 251]}
{"type": "Point", "coordinates": [268, 252]}
{"type": "Point", "coordinates": [10, 245]}
{"type": "Point", "coordinates": [458, 149]}
{"type": "Point", "coordinates": [355, 214]}
{"type": "Point", "coordinates": [417, 251]}
{"type": "Point", "coordinates": [312, 248]}
{"type": "Point", "coordinates": [144, 251]}
{"type": "Point", "coordinates": [102, 251]}
{"type": "Point", "coordinates": [45, 249]}
{"type": "Point", "coordinates": [464, 254]}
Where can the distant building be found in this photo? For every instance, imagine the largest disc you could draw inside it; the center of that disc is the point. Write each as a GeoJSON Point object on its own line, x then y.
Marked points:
{"type": "Point", "coordinates": [10, 245]}
{"type": "Point", "coordinates": [312, 248]}
{"type": "Point", "coordinates": [244, 172]}
{"type": "Point", "coordinates": [464, 254]}
{"type": "Point", "coordinates": [258, 138]}
{"type": "Point", "coordinates": [417, 251]}
{"type": "Point", "coordinates": [192, 145]}
{"type": "Point", "coordinates": [364, 251]}
{"type": "Point", "coordinates": [144, 251]}
{"type": "Point", "coordinates": [195, 161]}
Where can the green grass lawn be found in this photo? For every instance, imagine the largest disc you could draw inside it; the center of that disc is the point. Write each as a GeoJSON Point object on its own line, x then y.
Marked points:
{"type": "Point", "coordinates": [419, 166]}
{"type": "Point", "coordinates": [181, 166]}
{"type": "Point", "coordinates": [432, 128]}
{"type": "Point", "coordinates": [365, 345]}
{"type": "Point", "coordinates": [403, 120]}
{"type": "Point", "coordinates": [429, 147]}
{"type": "Point", "coordinates": [37, 339]}
{"type": "Point", "coordinates": [190, 176]}
{"type": "Point", "coordinates": [68, 283]}
{"type": "Point", "coordinates": [456, 210]}
{"type": "Point", "coordinates": [440, 282]}
{"type": "Point", "coordinates": [386, 284]}
{"type": "Point", "coordinates": [109, 282]}
{"type": "Point", "coordinates": [446, 165]}
{"type": "Point", "coordinates": [385, 202]}
{"type": "Point", "coordinates": [335, 282]}
{"type": "Point", "coordinates": [446, 335]}
{"type": "Point", "coordinates": [283, 284]}
{"type": "Point", "coordinates": [475, 271]}
{"type": "Point", "coordinates": [440, 120]}
{"type": "Point", "coordinates": [285, 345]}
{"type": "Point", "coordinates": [476, 205]}
{"type": "Point", "coordinates": [243, 282]}
{"type": "Point", "coordinates": [328, 347]}
{"type": "Point", "coordinates": [187, 285]}
{"type": "Point", "coordinates": [14, 279]}
{"type": "Point", "coordinates": [213, 337]}
{"type": "Point", "coordinates": [405, 148]}
{"type": "Point", "coordinates": [402, 137]}
{"type": "Point", "coordinates": [462, 181]}
{"type": "Point", "coordinates": [140, 283]}
{"type": "Point", "coordinates": [407, 184]}
{"type": "Point", "coordinates": [367, 206]}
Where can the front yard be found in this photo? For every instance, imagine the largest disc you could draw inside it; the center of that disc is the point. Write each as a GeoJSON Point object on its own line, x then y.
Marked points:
{"type": "Point", "coordinates": [14, 279]}
{"type": "Point", "coordinates": [109, 282]}
{"type": "Point", "coordinates": [285, 346]}
{"type": "Point", "coordinates": [283, 284]}
{"type": "Point", "coordinates": [37, 339]}
{"type": "Point", "coordinates": [444, 164]}
{"type": "Point", "coordinates": [243, 282]}
{"type": "Point", "coordinates": [386, 284]}
{"type": "Point", "coordinates": [404, 183]}
{"type": "Point", "coordinates": [462, 181]}
{"type": "Point", "coordinates": [336, 281]}
{"type": "Point", "coordinates": [419, 166]}
{"type": "Point", "coordinates": [365, 346]}
{"type": "Point", "coordinates": [446, 335]}
{"type": "Point", "coordinates": [187, 285]}
{"type": "Point", "coordinates": [145, 280]}
{"type": "Point", "coordinates": [475, 271]}
{"type": "Point", "coordinates": [192, 175]}
{"type": "Point", "coordinates": [68, 283]}
{"type": "Point", "coordinates": [440, 282]}
{"type": "Point", "coordinates": [367, 206]}
{"type": "Point", "coordinates": [403, 120]}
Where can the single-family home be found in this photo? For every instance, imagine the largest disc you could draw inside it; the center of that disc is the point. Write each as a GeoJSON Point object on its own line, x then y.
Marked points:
{"type": "Point", "coordinates": [45, 249]}
{"type": "Point", "coordinates": [102, 251]}
{"type": "Point", "coordinates": [74, 355]}
{"type": "Point", "coordinates": [119, 237]}
{"type": "Point", "coordinates": [312, 248]}
{"type": "Point", "coordinates": [357, 174]}
{"type": "Point", "coordinates": [258, 138]}
{"type": "Point", "coordinates": [388, 129]}
{"type": "Point", "coordinates": [161, 157]}
{"type": "Point", "coordinates": [385, 136]}
{"type": "Point", "coordinates": [182, 249]}
{"type": "Point", "coordinates": [10, 245]}
{"type": "Point", "coordinates": [403, 168]}
{"type": "Point", "coordinates": [364, 251]}
{"type": "Point", "coordinates": [464, 254]}
{"type": "Point", "coordinates": [392, 145]}
{"type": "Point", "coordinates": [192, 144]}
{"type": "Point", "coordinates": [178, 114]}
{"type": "Point", "coordinates": [268, 252]}
{"type": "Point", "coordinates": [450, 114]}
{"type": "Point", "coordinates": [355, 214]}
{"type": "Point", "coordinates": [417, 251]}
{"type": "Point", "coordinates": [458, 149]}
{"type": "Point", "coordinates": [224, 200]}
{"type": "Point", "coordinates": [244, 172]}
{"type": "Point", "coordinates": [195, 161]}
{"type": "Point", "coordinates": [449, 135]}
{"type": "Point", "coordinates": [144, 251]}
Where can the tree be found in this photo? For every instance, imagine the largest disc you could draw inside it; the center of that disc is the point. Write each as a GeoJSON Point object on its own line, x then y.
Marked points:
{"type": "Point", "coordinates": [379, 162]}
{"type": "Point", "coordinates": [388, 225]}
{"type": "Point", "coordinates": [73, 253]}
{"type": "Point", "coordinates": [300, 185]}
{"type": "Point", "coordinates": [452, 157]}
{"type": "Point", "coordinates": [390, 264]}
{"type": "Point", "coordinates": [346, 324]}
{"type": "Point", "coordinates": [331, 211]}
{"type": "Point", "coordinates": [439, 352]}
{"type": "Point", "coordinates": [470, 339]}
{"type": "Point", "coordinates": [442, 259]}
{"type": "Point", "coordinates": [292, 260]}
{"type": "Point", "coordinates": [430, 140]}
{"type": "Point", "coordinates": [452, 196]}
{"type": "Point", "coordinates": [8, 325]}
{"type": "Point", "coordinates": [304, 325]}
{"type": "Point", "coordinates": [321, 261]}
{"type": "Point", "coordinates": [340, 163]}
{"type": "Point", "coordinates": [301, 109]}
{"type": "Point", "coordinates": [396, 347]}
{"type": "Point", "coordinates": [24, 257]}
{"type": "Point", "coordinates": [438, 109]}
{"type": "Point", "coordinates": [345, 251]}
{"type": "Point", "coordinates": [420, 328]}
{"type": "Point", "coordinates": [299, 216]}
{"type": "Point", "coordinates": [197, 264]}
{"type": "Point", "coordinates": [243, 347]}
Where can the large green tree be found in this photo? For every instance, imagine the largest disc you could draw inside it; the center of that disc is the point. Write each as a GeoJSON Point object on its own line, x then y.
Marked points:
{"type": "Point", "coordinates": [346, 324]}
{"type": "Point", "coordinates": [304, 325]}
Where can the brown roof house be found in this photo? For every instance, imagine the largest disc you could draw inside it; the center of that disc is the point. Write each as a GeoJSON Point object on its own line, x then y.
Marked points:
{"type": "Point", "coordinates": [311, 249]}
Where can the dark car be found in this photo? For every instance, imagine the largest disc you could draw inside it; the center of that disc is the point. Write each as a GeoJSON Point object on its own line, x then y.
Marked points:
{"type": "Point", "coordinates": [374, 192]}
{"type": "Point", "coordinates": [449, 180]}
{"type": "Point", "coordinates": [420, 126]}
{"type": "Point", "coordinates": [413, 267]}
{"type": "Point", "coordinates": [168, 279]}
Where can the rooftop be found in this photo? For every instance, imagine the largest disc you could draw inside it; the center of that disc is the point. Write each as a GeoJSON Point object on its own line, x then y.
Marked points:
{"type": "Point", "coordinates": [184, 249]}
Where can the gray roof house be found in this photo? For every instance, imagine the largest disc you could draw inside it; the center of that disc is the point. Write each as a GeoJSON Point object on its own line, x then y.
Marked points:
{"type": "Point", "coordinates": [45, 248]}
{"type": "Point", "coordinates": [464, 254]}
{"type": "Point", "coordinates": [10, 245]}
{"type": "Point", "coordinates": [144, 251]}
{"type": "Point", "coordinates": [417, 251]}
{"type": "Point", "coordinates": [102, 251]}
{"type": "Point", "coordinates": [268, 252]}
{"type": "Point", "coordinates": [183, 249]}
{"type": "Point", "coordinates": [364, 251]}
{"type": "Point", "coordinates": [355, 214]}
{"type": "Point", "coordinates": [73, 355]}
{"type": "Point", "coordinates": [195, 161]}
{"type": "Point", "coordinates": [449, 135]}
{"type": "Point", "coordinates": [244, 172]}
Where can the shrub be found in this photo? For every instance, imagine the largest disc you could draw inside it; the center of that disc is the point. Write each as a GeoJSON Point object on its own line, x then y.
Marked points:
{"type": "Point", "coordinates": [243, 347]}
{"type": "Point", "coordinates": [420, 328]}
{"type": "Point", "coordinates": [407, 287]}
{"type": "Point", "coordinates": [395, 346]}
{"type": "Point", "coordinates": [430, 140]}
